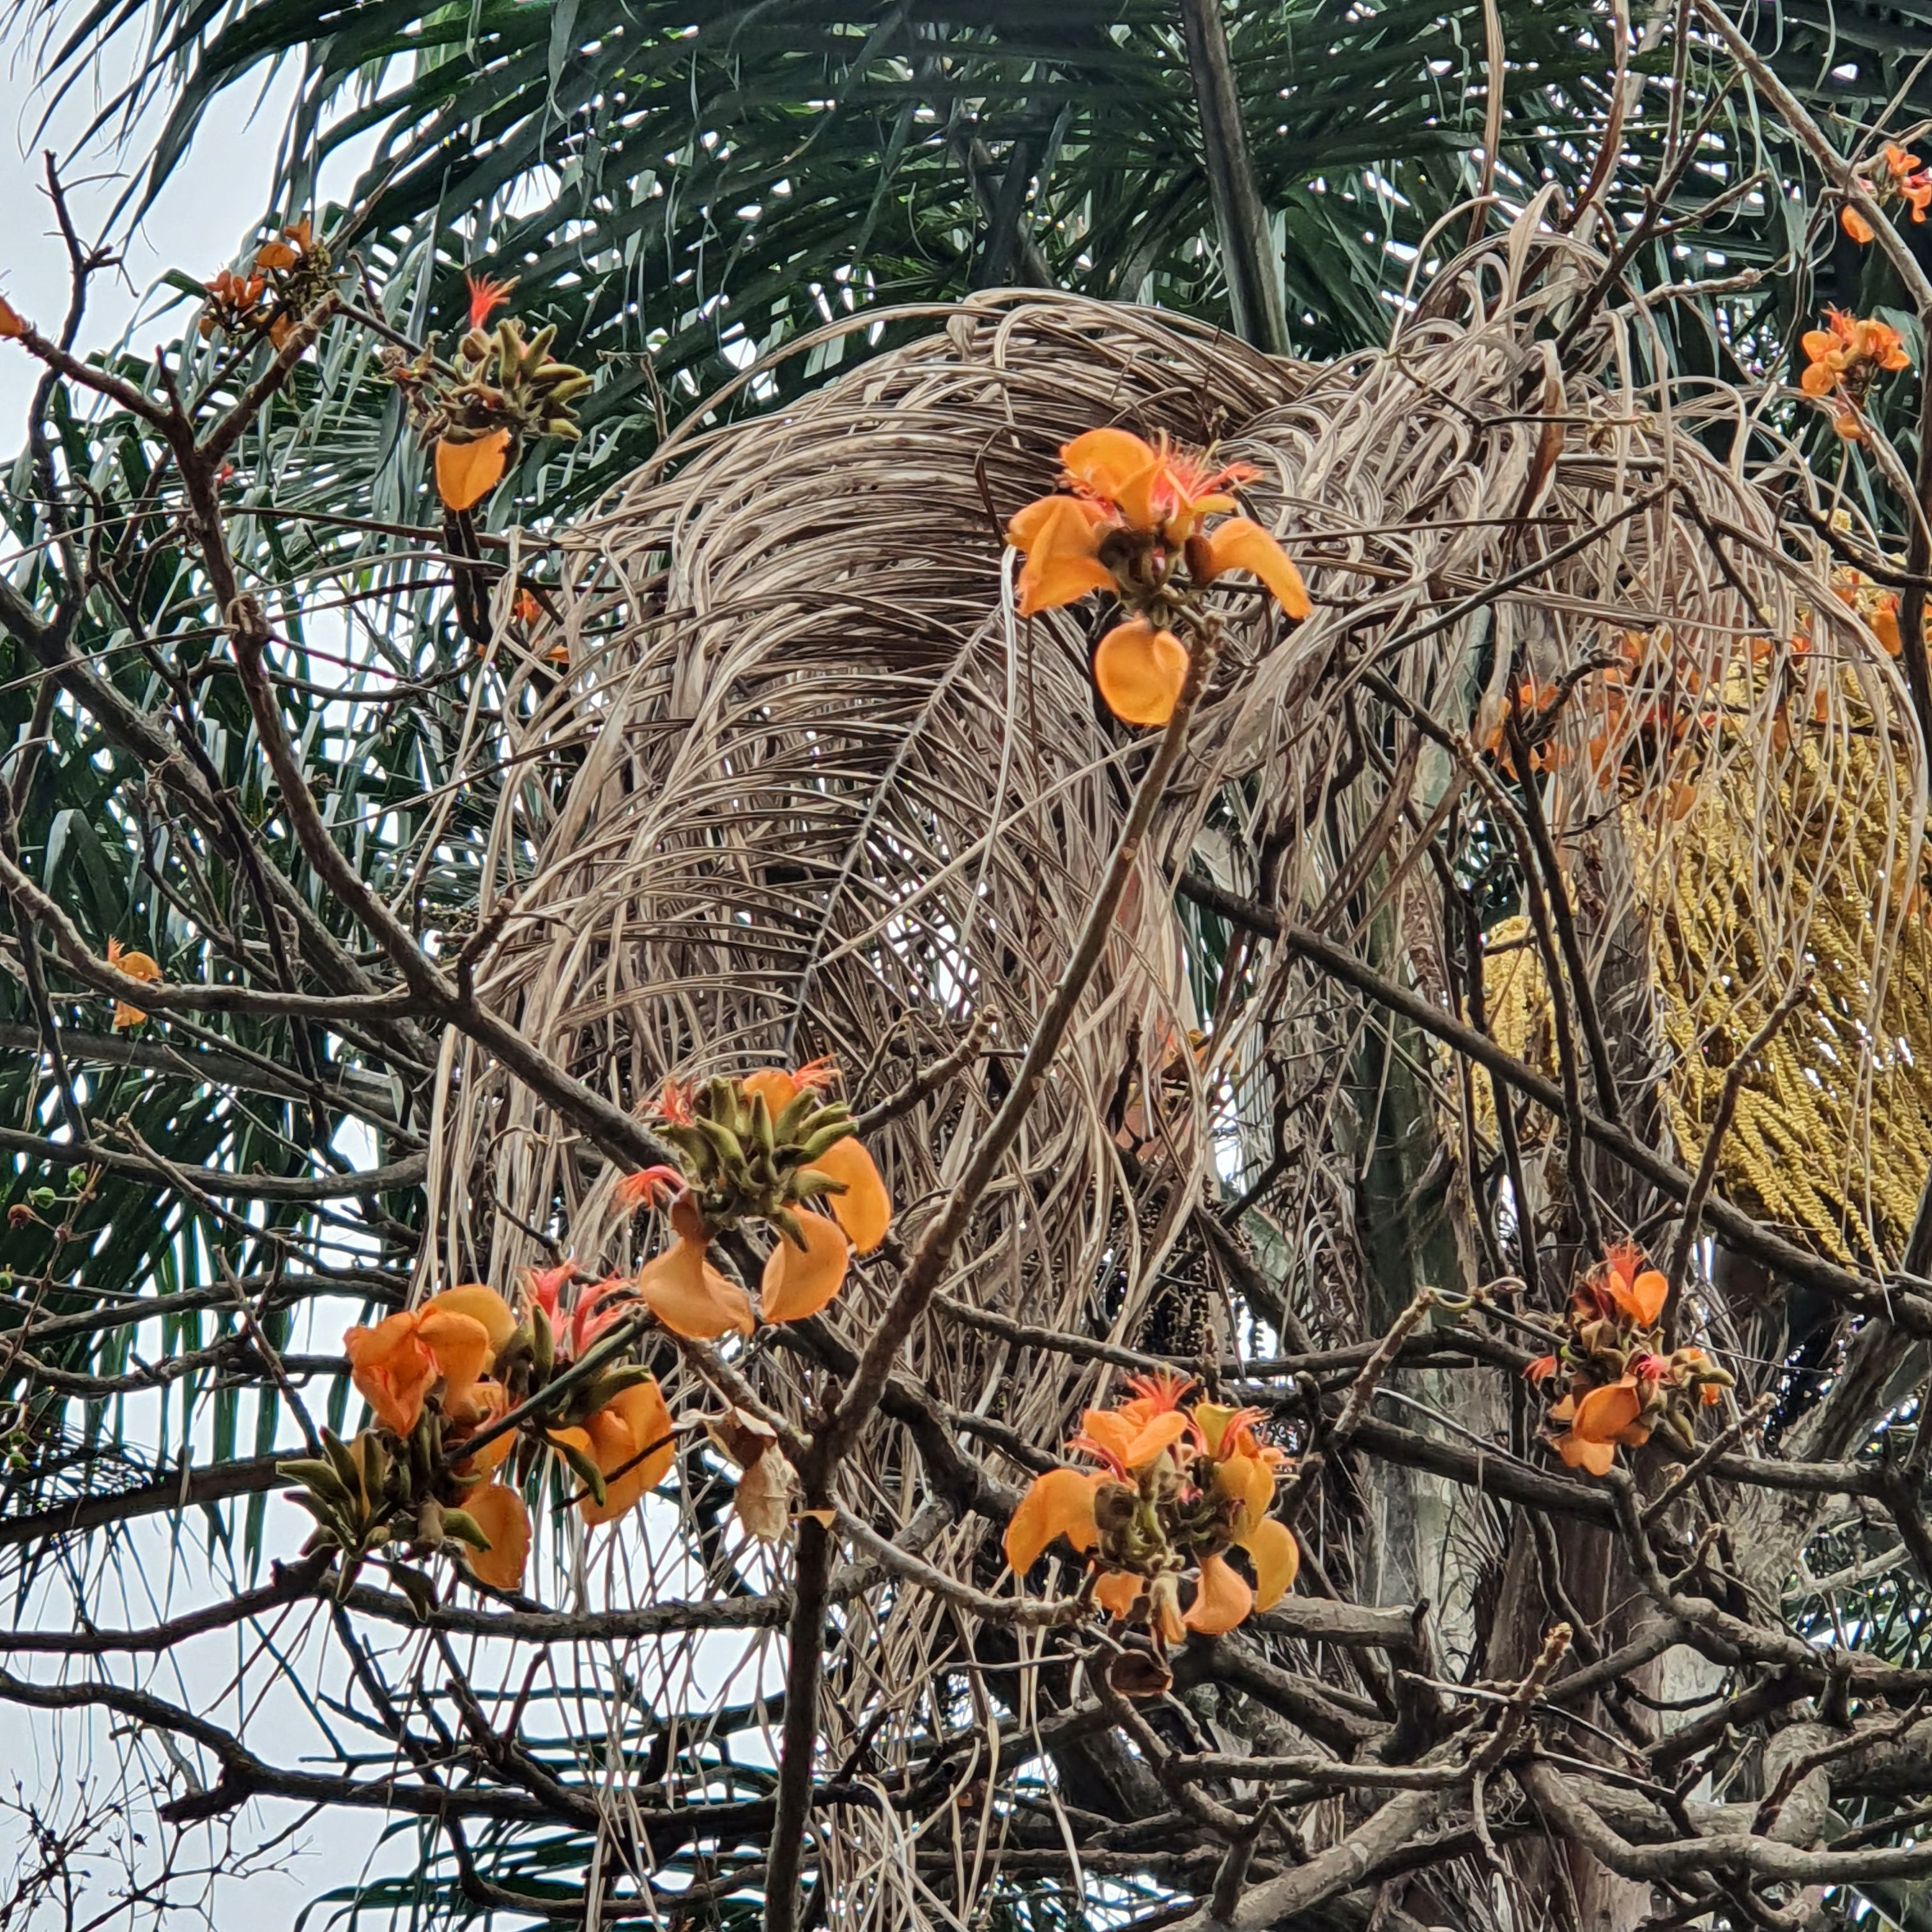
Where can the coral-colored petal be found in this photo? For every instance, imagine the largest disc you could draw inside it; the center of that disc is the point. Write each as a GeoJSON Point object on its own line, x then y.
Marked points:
{"type": "Point", "coordinates": [1140, 671]}
{"type": "Point", "coordinates": [690, 1296]}
{"type": "Point", "coordinates": [1276, 1557]}
{"type": "Point", "coordinates": [798, 1283]}
{"type": "Point", "coordinates": [1856, 226]}
{"type": "Point", "coordinates": [1060, 1503]}
{"type": "Point", "coordinates": [1241, 544]}
{"type": "Point", "coordinates": [865, 1210]}
{"type": "Point", "coordinates": [500, 1514]}
{"type": "Point", "coordinates": [1222, 1599]}
{"type": "Point", "coordinates": [466, 473]}
{"type": "Point", "coordinates": [1117, 1592]}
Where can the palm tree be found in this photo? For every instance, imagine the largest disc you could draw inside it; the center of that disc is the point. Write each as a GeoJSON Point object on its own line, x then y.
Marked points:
{"type": "Point", "coordinates": [722, 218]}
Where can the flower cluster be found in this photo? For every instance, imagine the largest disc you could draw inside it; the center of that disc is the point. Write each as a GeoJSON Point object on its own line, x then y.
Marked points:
{"type": "Point", "coordinates": [1843, 360]}
{"type": "Point", "coordinates": [272, 291]}
{"type": "Point", "coordinates": [759, 1149]}
{"type": "Point", "coordinates": [139, 966]}
{"type": "Point", "coordinates": [1132, 518]}
{"type": "Point", "coordinates": [465, 1383]}
{"type": "Point", "coordinates": [1906, 180]}
{"type": "Point", "coordinates": [476, 411]}
{"type": "Point", "coordinates": [1619, 1387]}
{"type": "Point", "coordinates": [1177, 1489]}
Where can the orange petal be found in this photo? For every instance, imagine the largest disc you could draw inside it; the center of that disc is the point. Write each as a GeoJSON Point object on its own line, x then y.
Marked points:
{"type": "Point", "coordinates": [1108, 461]}
{"type": "Point", "coordinates": [1241, 543]}
{"type": "Point", "coordinates": [11, 326]}
{"type": "Point", "coordinates": [482, 1404]}
{"type": "Point", "coordinates": [1856, 226]}
{"type": "Point", "coordinates": [481, 1304]}
{"type": "Point", "coordinates": [798, 1283]}
{"type": "Point", "coordinates": [1277, 1557]}
{"type": "Point", "coordinates": [466, 473]}
{"type": "Point", "coordinates": [1150, 1441]}
{"type": "Point", "coordinates": [634, 1421]}
{"type": "Point", "coordinates": [274, 255]}
{"type": "Point", "coordinates": [1818, 379]}
{"type": "Point", "coordinates": [865, 1210]}
{"type": "Point", "coordinates": [1113, 1431]}
{"type": "Point", "coordinates": [779, 1088]}
{"type": "Point", "coordinates": [1057, 522]}
{"type": "Point", "coordinates": [500, 1514]}
{"type": "Point", "coordinates": [1117, 1592]}
{"type": "Point", "coordinates": [1250, 1482]}
{"type": "Point", "coordinates": [1885, 628]}
{"type": "Point", "coordinates": [1648, 1295]}
{"type": "Point", "coordinates": [460, 1344]}
{"type": "Point", "coordinates": [1595, 1457]}
{"type": "Point", "coordinates": [391, 1370]}
{"type": "Point", "coordinates": [1140, 671]}
{"type": "Point", "coordinates": [1048, 582]}
{"type": "Point", "coordinates": [1604, 1412]}
{"type": "Point", "coordinates": [1060, 1503]}
{"type": "Point", "coordinates": [1222, 1599]}
{"type": "Point", "coordinates": [691, 1297]}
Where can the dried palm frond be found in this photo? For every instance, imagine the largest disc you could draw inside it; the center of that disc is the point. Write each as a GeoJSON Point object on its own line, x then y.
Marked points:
{"type": "Point", "coordinates": [808, 787]}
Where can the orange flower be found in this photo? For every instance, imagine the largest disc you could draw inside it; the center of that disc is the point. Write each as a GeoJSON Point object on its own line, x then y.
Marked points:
{"type": "Point", "coordinates": [1599, 1421]}
{"type": "Point", "coordinates": [1061, 538]}
{"type": "Point", "coordinates": [135, 966]}
{"type": "Point", "coordinates": [543, 1288]}
{"type": "Point", "coordinates": [1153, 488]}
{"type": "Point", "coordinates": [689, 1296]}
{"type": "Point", "coordinates": [1121, 495]}
{"type": "Point", "coordinates": [865, 1210]}
{"type": "Point", "coordinates": [1637, 1292]}
{"type": "Point", "coordinates": [1060, 1503]}
{"type": "Point", "coordinates": [1125, 1444]}
{"type": "Point", "coordinates": [11, 326]}
{"type": "Point", "coordinates": [486, 296]}
{"type": "Point", "coordinates": [1117, 1592]}
{"type": "Point", "coordinates": [631, 1441]}
{"type": "Point", "coordinates": [1158, 1393]}
{"type": "Point", "coordinates": [799, 1281]}
{"type": "Point", "coordinates": [466, 473]}
{"type": "Point", "coordinates": [454, 1335]}
{"type": "Point", "coordinates": [499, 1512]}
{"type": "Point", "coordinates": [1847, 353]}
{"type": "Point", "coordinates": [1540, 1370]}
{"type": "Point", "coordinates": [1856, 226]}
{"type": "Point", "coordinates": [1140, 672]}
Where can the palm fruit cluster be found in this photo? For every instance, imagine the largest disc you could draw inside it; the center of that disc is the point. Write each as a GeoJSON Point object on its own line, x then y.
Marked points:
{"type": "Point", "coordinates": [742, 1161]}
